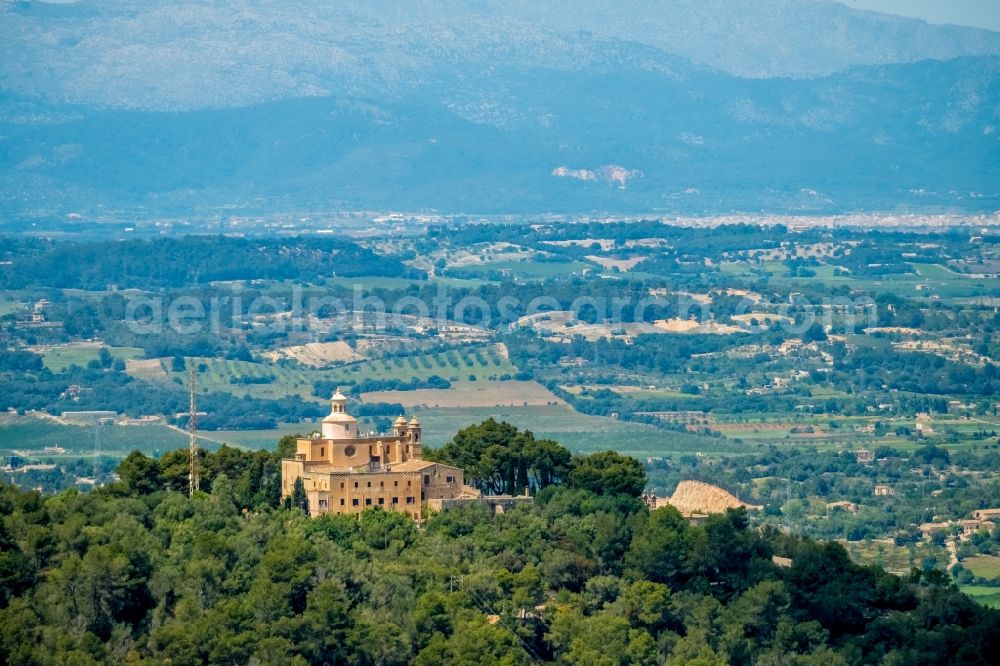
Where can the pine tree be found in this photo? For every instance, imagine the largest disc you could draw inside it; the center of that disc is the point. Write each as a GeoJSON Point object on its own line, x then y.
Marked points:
{"type": "Point", "coordinates": [299, 499]}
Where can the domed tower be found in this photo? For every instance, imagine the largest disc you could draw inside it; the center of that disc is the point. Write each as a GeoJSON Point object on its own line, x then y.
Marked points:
{"type": "Point", "coordinates": [399, 427]}
{"type": "Point", "coordinates": [339, 424]}
{"type": "Point", "coordinates": [414, 433]}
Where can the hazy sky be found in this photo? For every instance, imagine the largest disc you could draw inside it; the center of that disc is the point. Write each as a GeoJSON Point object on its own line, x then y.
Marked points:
{"type": "Point", "coordinates": [979, 13]}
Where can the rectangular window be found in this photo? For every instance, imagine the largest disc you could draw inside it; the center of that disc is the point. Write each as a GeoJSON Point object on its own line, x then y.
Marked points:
{"type": "Point", "coordinates": [322, 502]}
{"type": "Point", "coordinates": [355, 484]}
{"type": "Point", "coordinates": [450, 479]}
{"type": "Point", "coordinates": [395, 483]}
{"type": "Point", "coordinates": [427, 479]}
{"type": "Point", "coordinates": [409, 500]}
{"type": "Point", "coordinates": [395, 500]}
{"type": "Point", "coordinates": [381, 501]}
{"type": "Point", "coordinates": [354, 502]}
{"type": "Point", "coordinates": [369, 484]}
{"type": "Point", "coordinates": [341, 486]}
{"type": "Point", "coordinates": [342, 502]}
{"type": "Point", "coordinates": [368, 501]}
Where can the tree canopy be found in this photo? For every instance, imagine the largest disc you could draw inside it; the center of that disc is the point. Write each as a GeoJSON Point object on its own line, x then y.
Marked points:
{"type": "Point", "coordinates": [137, 572]}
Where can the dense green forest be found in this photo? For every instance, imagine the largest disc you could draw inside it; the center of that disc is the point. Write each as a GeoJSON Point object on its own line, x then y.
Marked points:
{"type": "Point", "coordinates": [177, 262]}
{"type": "Point", "coordinates": [138, 573]}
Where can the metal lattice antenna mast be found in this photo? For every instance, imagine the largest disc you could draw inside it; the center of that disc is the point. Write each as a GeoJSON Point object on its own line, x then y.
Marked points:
{"type": "Point", "coordinates": [193, 480]}
{"type": "Point", "coordinates": [97, 448]}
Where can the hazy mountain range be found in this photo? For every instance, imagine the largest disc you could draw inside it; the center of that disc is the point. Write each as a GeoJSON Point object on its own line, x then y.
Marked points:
{"type": "Point", "coordinates": [483, 106]}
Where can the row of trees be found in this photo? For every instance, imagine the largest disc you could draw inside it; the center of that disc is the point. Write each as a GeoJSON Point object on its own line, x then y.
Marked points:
{"type": "Point", "coordinates": [500, 459]}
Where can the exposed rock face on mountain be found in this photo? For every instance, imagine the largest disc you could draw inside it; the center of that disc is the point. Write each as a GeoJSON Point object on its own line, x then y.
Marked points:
{"type": "Point", "coordinates": [152, 54]}
{"type": "Point", "coordinates": [696, 497]}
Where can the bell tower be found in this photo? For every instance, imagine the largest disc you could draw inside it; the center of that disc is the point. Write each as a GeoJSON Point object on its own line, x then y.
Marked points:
{"type": "Point", "coordinates": [413, 433]}
{"type": "Point", "coordinates": [339, 424]}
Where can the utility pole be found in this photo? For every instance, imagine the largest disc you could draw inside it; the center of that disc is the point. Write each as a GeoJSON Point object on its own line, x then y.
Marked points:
{"type": "Point", "coordinates": [193, 479]}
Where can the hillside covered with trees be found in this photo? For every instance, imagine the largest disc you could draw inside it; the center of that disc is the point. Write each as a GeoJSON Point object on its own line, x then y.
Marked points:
{"type": "Point", "coordinates": [175, 262]}
{"type": "Point", "coordinates": [138, 573]}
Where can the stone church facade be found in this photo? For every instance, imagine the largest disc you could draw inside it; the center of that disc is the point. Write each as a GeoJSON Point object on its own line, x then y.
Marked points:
{"type": "Point", "coordinates": [345, 472]}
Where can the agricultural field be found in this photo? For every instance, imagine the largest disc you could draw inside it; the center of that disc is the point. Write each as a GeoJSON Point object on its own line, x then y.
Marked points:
{"type": "Point", "coordinates": [983, 566]}
{"type": "Point", "coordinates": [151, 369]}
{"type": "Point", "coordinates": [259, 439]}
{"type": "Point", "coordinates": [928, 280]}
{"type": "Point", "coordinates": [279, 380]}
{"type": "Point", "coordinates": [316, 354]}
{"type": "Point", "coordinates": [640, 392]}
{"type": "Point", "coordinates": [526, 270]}
{"type": "Point", "coordinates": [58, 358]}
{"type": "Point", "coordinates": [471, 394]}
{"type": "Point", "coordinates": [581, 433]}
{"type": "Point", "coordinates": [10, 306]}
{"type": "Point", "coordinates": [370, 282]}
{"type": "Point", "coordinates": [478, 254]}
{"type": "Point", "coordinates": [33, 433]}
{"type": "Point", "coordinates": [610, 263]}
{"type": "Point", "coordinates": [987, 595]}
{"type": "Point", "coordinates": [893, 558]}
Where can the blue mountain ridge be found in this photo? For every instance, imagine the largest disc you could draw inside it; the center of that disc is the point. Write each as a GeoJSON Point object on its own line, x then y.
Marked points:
{"type": "Point", "coordinates": [688, 139]}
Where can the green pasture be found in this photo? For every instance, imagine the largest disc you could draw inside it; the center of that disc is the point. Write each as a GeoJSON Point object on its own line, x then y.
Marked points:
{"type": "Point", "coordinates": [34, 433]}
{"type": "Point", "coordinates": [8, 306]}
{"type": "Point", "coordinates": [260, 439]}
{"type": "Point", "coordinates": [987, 595]}
{"type": "Point", "coordinates": [578, 432]}
{"type": "Point", "coordinates": [60, 358]}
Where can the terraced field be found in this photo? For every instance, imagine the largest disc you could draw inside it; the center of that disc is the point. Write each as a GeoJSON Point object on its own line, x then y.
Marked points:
{"type": "Point", "coordinates": [228, 375]}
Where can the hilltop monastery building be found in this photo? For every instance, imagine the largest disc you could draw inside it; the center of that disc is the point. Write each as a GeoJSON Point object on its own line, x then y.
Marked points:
{"type": "Point", "coordinates": [343, 472]}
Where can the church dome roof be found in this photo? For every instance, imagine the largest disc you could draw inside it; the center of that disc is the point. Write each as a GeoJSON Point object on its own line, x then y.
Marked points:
{"type": "Point", "coordinates": [339, 417]}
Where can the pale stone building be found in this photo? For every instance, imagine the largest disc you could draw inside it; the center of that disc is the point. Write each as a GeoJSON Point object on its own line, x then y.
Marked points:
{"type": "Point", "coordinates": [344, 472]}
